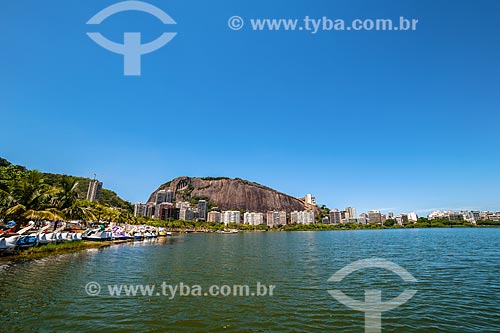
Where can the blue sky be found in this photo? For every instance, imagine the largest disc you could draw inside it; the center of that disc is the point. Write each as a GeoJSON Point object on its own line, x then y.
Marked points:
{"type": "Point", "coordinates": [402, 121]}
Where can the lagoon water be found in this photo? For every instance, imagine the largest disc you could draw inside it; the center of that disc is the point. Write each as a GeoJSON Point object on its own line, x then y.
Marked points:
{"type": "Point", "coordinates": [457, 272]}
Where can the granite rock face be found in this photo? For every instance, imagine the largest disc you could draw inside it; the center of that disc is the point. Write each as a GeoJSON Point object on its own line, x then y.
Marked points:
{"type": "Point", "coordinates": [232, 194]}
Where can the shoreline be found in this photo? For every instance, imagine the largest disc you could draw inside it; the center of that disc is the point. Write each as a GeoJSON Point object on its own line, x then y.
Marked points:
{"type": "Point", "coordinates": [77, 246]}
{"type": "Point", "coordinates": [57, 249]}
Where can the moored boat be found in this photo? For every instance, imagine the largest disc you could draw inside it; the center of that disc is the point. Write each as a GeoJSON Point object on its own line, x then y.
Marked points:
{"type": "Point", "coordinates": [232, 231]}
{"type": "Point", "coordinates": [97, 234]}
{"type": "Point", "coordinates": [8, 241]}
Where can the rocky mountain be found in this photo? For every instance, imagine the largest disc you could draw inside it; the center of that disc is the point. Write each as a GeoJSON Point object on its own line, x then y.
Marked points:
{"type": "Point", "coordinates": [232, 194]}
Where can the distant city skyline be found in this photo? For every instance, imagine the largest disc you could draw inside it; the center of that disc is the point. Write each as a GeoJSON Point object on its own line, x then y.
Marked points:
{"type": "Point", "coordinates": [168, 194]}
{"type": "Point", "coordinates": [388, 121]}
{"type": "Point", "coordinates": [162, 209]}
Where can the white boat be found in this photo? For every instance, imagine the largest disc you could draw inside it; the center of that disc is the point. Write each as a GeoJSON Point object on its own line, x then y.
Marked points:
{"type": "Point", "coordinates": [138, 235]}
{"type": "Point", "coordinates": [42, 234]}
{"type": "Point", "coordinates": [51, 237]}
{"type": "Point", "coordinates": [162, 232]}
{"type": "Point", "coordinates": [149, 234]}
{"type": "Point", "coordinates": [8, 243]}
{"type": "Point", "coordinates": [97, 234]}
{"type": "Point", "coordinates": [119, 233]}
{"type": "Point", "coordinates": [76, 236]}
{"type": "Point", "coordinates": [232, 231]}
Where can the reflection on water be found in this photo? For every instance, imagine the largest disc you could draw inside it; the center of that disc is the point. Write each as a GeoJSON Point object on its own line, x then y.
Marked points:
{"type": "Point", "coordinates": [457, 272]}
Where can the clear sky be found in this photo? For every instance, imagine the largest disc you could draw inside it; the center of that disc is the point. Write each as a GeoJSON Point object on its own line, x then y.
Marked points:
{"type": "Point", "coordinates": [401, 121]}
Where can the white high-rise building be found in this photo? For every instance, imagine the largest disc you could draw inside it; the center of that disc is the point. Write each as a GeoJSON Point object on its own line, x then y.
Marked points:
{"type": "Point", "coordinates": [170, 196]}
{"type": "Point", "coordinates": [276, 218]}
{"type": "Point", "coordinates": [214, 217]}
{"type": "Point", "coordinates": [352, 212]}
{"type": "Point", "coordinates": [303, 217]}
{"type": "Point", "coordinates": [140, 209]}
{"type": "Point", "coordinates": [253, 218]}
{"type": "Point", "coordinates": [151, 209]}
{"type": "Point", "coordinates": [309, 199]}
{"type": "Point", "coordinates": [183, 205]}
{"type": "Point", "coordinates": [412, 217]}
{"type": "Point", "coordinates": [94, 190]}
{"type": "Point", "coordinates": [231, 216]}
{"type": "Point", "coordinates": [161, 196]}
{"type": "Point", "coordinates": [436, 215]}
{"type": "Point", "coordinates": [335, 216]}
{"type": "Point", "coordinates": [186, 214]}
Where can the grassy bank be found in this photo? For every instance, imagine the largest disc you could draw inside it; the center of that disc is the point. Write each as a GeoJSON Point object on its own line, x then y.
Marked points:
{"type": "Point", "coordinates": [58, 248]}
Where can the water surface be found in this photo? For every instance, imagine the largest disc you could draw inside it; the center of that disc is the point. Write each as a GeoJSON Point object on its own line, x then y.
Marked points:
{"type": "Point", "coordinates": [458, 273]}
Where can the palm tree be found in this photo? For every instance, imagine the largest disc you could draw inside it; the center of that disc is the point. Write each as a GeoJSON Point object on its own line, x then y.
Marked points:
{"type": "Point", "coordinates": [4, 198]}
{"type": "Point", "coordinates": [125, 217]}
{"type": "Point", "coordinates": [79, 210]}
{"type": "Point", "coordinates": [8, 176]}
{"type": "Point", "coordinates": [67, 194]}
{"type": "Point", "coordinates": [66, 201]}
{"type": "Point", "coordinates": [30, 199]}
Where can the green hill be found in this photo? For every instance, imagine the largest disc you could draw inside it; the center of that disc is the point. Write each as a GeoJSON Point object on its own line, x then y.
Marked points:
{"type": "Point", "coordinates": [108, 197]}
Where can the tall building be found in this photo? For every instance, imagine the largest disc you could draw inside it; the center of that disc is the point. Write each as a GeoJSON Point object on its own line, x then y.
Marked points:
{"type": "Point", "coordinates": [402, 219]}
{"type": "Point", "coordinates": [436, 215]}
{"type": "Point", "coordinates": [282, 217]}
{"type": "Point", "coordinates": [161, 197]}
{"type": "Point", "coordinates": [183, 205]}
{"type": "Point", "coordinates": [390, 215]}
{"type": "Point", "coordinates": [344, 215]}
{"type": "Point", "coordinates": [476, 215]}
{"type": "Point", "coordinates": [158, 211]}
{"type": "Point", "coordinates": [362, 220]}
{"type": "Point", "coordinates": [352, 212]}
{"type": "Point", "coordinates": [214, 217]}
{"type": "Point", "coordinates": [186, 214]}
{"type": "Point", "coordinates": [374, 216]}
{"type": "Point", "coordinates": [303, 217]}
{"type": "Point", "coordinates": [94, 190]}
{"type": "Point", "coordinates": [231, 216]}
{"type": "Point", "coordinates": [412, 217]}
{"type": "Point", "coordinates": [151, 209]}
{"type": "Point", "coordinates": [166, 210]}
{"type": "Point", "coordinates": [309, 199]}
{"type": "Point", "coordinates": [202, 210]}
{"type": "Point", "coordinates": [335, 217]}
{"type": "Point", "coordinates": [253, 218]}
{"type": "Point", "coordinates": [170, 196]}
{"type": "Point", "coordinates": [276, 218]}
{"type": "Point", "coordinates": [140, 209]}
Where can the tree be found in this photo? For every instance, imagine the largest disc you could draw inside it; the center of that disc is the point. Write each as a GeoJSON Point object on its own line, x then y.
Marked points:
{"type": "Point", "coordinates": [30, 199]}
{"type": "Point", "coordinates": [390, 222]}
{"type": "Point", "coordinates": [80, 210]}
{"type": "Point", "coordinates": [67, 194]}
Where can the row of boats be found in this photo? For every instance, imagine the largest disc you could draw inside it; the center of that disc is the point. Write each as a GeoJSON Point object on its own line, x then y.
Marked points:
{"type": "Point", "coordinates": [36, 235]}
